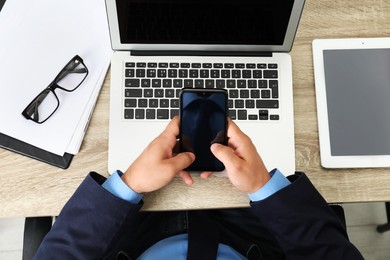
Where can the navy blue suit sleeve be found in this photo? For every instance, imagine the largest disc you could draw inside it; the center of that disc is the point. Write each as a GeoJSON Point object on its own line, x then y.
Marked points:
{"type": "Point", "coordinates": [303, 223]}
{"type": "Point", "coordinates": [89, 224]}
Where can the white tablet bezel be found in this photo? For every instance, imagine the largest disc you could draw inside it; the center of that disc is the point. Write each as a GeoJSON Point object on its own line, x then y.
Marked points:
{"type": "Point", "coordinates": [327, 160]}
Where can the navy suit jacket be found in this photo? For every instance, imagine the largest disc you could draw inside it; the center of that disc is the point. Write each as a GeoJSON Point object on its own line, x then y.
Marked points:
{"type": "Point", "coordinates": [92, 221]}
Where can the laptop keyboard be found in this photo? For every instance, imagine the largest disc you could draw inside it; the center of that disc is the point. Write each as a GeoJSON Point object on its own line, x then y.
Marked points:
{"type": "Point", "coordinates": [152, 90]}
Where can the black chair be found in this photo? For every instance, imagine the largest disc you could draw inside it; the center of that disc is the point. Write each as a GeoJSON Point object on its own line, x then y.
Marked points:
{"type": "Point", "coordinates": [385, 227]}
{"type": "Point", "coordinates": [35, 229]}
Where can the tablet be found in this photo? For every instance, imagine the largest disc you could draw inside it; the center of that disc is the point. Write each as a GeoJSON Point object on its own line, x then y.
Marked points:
{"type": "Point", "coordinates": [352, 82]}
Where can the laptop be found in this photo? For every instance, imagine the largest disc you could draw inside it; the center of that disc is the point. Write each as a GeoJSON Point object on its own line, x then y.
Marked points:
{"type": "Point", "coordinates": [162, 46]}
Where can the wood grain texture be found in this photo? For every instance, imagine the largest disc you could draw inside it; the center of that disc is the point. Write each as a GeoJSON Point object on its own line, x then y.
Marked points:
{"type": "Point", "coordinates": [32, 188]}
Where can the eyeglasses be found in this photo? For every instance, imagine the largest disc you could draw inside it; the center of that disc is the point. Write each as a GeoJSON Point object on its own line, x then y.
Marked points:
{"type": "Point", "coordinates": [43, 106]}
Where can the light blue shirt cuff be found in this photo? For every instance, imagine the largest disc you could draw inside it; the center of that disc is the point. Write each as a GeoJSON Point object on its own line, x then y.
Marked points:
{"type": "Point", "coordinates": [117, 187]}
{"type": "Point", "coordinates": [277, 182]}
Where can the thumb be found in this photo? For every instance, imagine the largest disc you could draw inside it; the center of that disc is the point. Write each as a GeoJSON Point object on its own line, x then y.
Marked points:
{"type": "Point", "coordinates": [181, 161]}
{"type": "Point", "coordinates": [225, 154]}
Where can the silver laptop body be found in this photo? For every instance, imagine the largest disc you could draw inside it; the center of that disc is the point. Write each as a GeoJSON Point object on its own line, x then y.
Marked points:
{"type": "Point", "coordinates": [212, 44]}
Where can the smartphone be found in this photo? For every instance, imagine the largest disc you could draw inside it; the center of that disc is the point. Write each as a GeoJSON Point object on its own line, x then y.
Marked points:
{"type": "Point", "coordinates": [203, 121]}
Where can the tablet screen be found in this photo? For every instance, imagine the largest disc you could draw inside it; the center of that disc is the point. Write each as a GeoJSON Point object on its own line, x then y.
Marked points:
{"type": "Point", "coordinates": [358, 101]}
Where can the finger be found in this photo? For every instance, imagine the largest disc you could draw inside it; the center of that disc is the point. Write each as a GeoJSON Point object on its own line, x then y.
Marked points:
{"type": "Point", "coordinates": [205, 175]}
{"type": "Point", "coordinates": [186, 177]}
{"type": "Point", "coordinates": [225, 154]}
{"type": "Point", "coordinates": [181, 161]}
{"type": "Point", "coordinates": [171, 131]}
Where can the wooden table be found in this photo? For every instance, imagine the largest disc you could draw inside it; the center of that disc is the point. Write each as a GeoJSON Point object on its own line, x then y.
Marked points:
{"type": "Point", "coordinates": [32, 188]}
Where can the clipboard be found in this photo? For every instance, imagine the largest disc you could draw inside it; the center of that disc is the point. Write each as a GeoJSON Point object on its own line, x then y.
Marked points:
{"type": "Point", "coordinates": [17, 146]}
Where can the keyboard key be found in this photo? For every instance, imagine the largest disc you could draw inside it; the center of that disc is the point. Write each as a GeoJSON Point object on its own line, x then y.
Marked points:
{"type": "Point", "coordinates": [194, 73]}
{"type": "Point", "coordinates": [150, 113]}
{"type": "Point", "coordinates": [270, 74]}
{"type": "Point", "coordinates": [214, 74]}
{"type": "Point", "coordinates": [232, 114]}
{"type": "Point", "coordinates": [140, 73]}
{"type": "Point", "coordinates": [273, 85]}
{"type": "Point", "coordinates": [152, 65]}
{"type": "Point", "coordinates": [142, 102]}
{"type": "Point", "coordinates": [156, 83]}
{"type": "Point", "coordinates": [241, 83]}
{"type": "Point", "coordinates": [174, 112]}
{"type": "Point", "coordinates": [239, 103]}
{"type": "Point", "coordinates": [167, 83]}
{"type": "Point", "coordinates": [199, 83]}
{"type": "Point", "coordinates": [261, 66]}
{"type": "Point", "coordinates": [265, 93]}
{"type": "Point", "coordinates": [236, 74]}
{"type": "Point", "coordinates": [172, 73]}
{"type": "Point", "coordinates": [250, 66]}
{"type": "Point", "coordinates": [129, 73]}
{"type": "Point", "coordinates": [153, 102]}
{"type": "Point", "coordinates": [218, 65]}
{"type": "Point", "coordinates": [252, 117]}
{"type": "Point", "coordinates": [151, 73]}
{"type": "Point", "coordinates": [185, 65]}
{"type": "Point", "coordinates": [158, 93]}
{"type": "Point", "coordinates": [252, 83]}
{"type": "Point", "coordinates": [244, 93]}
{"type": "Point", "coordinates": [229, 65]}
{"type": "Point", "coordinates": [139, 113]}
{"type": "Point", "coordinates": [263, 83]}
{"type": "Point", "coordinates": [169, 93]}
{"type": "Point", "coordinates": [133, 92]}
{"type": "Point", "coordinates": [188, 83]}
{"type": "Point", "coordinates": [129, 64]}
{"type": "Point", "coordinates": [129, 114]}
{"type": "Point", "coordinates": [196, 65]}
{"type": "Point", "coordinates": [183, 73]}
{"type": "Point", "coordinates": [263, 114]}
{"type": "Point", "coordinates": [220, 83]}
{"type": "Point", "coordinates": [225, 74]}
{"type": "Point", "coordinates": [204, 74]}
{"type": "Point", "coordinates": [141, 64]}
{"type": "Point", "coordinates": [242, 114]}
{"type": "Point", "coordinates": [240, 65]}
{"type": "Point", "coordinates": [162, 73]}
{"type": "Point", "coordinates": [148, 92]}
{"type": "Point", "coordinates": [267, 103]}
{"type": "Point", "coordinates": [255, 93]}
{"type": "Point", "coordinates": [230, 83]}
{"type": "Point", "coordinates": [246, 74]}
{"type": "Point", "coordinates": [249, 103]}
{"type": "Point", "coordinates": [163, 65]}
{"type": "Point", "coordinates": [164, 103]}
{"type": "Point", "coordinates": [177, 83]}
{"type": "Point", "coordinates": [145, 83]}
{"type": "Point", "coordinates": [130, 102]}
{"type": "Point", "coordinates": [174, 65]}
{"type": "Point", "coordinates": [230, 103]}
{"type": "Point", "coordinates": [162, 113]}
{"type": "Point", "coordinates": [257, 74]}
{"type": "Point", "coordinates": [175, 103]}
{"type": "Point", "coordinates": [233, 93]}
{"type": "Point", "coordinates": [209, 83]}
{"type": "Point", "coordinates": [274, 117]}
{"type": "Point", "coordinates": [207, 65]}
{"type": "Point", "coordinates": [132, 83]}
{"type": "Point", "coordinates": [272, 66]}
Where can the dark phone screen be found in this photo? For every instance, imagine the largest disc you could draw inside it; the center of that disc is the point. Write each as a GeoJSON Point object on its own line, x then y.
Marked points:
{"type": "Point", "coordinates": [203, 121]}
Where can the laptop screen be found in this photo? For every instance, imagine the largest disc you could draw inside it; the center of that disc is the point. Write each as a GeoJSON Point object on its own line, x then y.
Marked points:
{"type": "Point", "coordinates": [222, 22]}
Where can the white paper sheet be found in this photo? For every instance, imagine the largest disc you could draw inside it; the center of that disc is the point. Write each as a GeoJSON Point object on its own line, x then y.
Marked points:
{"type": "Point", "coordinates": [38, 37]}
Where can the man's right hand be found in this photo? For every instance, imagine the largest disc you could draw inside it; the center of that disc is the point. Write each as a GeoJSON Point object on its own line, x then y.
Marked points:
{"type": "Point", "coordinates": [243, 164]}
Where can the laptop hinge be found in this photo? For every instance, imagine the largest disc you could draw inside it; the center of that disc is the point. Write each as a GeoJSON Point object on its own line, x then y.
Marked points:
{"type": "Point", "coordinates": [202, 53]}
